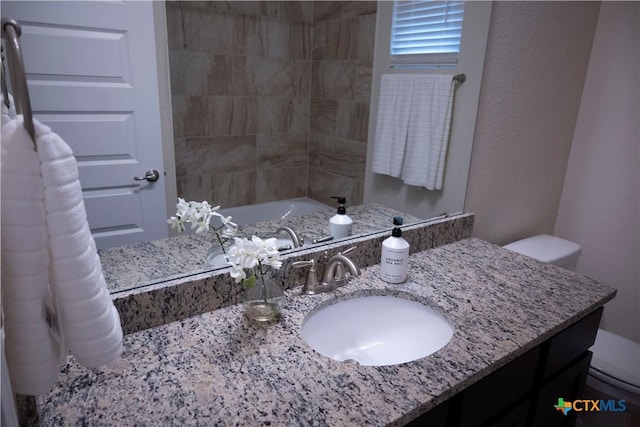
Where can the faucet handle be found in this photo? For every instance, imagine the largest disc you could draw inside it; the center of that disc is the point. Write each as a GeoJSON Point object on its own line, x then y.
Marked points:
{"type": "Point", "coordinates": [311, 282]}
{"type": "Point", "coordinates": [351, 249]}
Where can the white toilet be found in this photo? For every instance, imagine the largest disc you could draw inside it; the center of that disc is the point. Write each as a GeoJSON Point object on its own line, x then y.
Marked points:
{"type": "Point", "coordinates": [615, 366]}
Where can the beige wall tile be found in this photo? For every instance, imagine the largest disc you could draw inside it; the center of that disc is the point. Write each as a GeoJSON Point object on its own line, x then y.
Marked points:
{"type": "Point", "coordinates": [232, 115]}
{"type": "Point", "coordinates": [233, 154]}
{"type": "Point", "coordinates": [359, 8]}
{"type": "Point", "coordinates": [297, 11]}
{"type": "Point", "coordinates": [192, 156]}
{"type": "Point", "coordinates": [234, 189]}
{"type": "Point", "coordinates": [198, 73]}
{"type": "Point", "coordinates": [175, 31]}
{"type": "Point", "coordinates": [340, 156]}
{"type": "Point", "coordinates": [190, 115]}
{"type": "Point", "coordinates": [352, 120]}
{"type": "Point", "coordinates": [276, 184]}
{"type": "Point", "coordinates": [196, 188]}
{"type": "Point", "coordinates": [242, 82]}
{"type": "Point", "coordinates": [302, 181]}
{"type": "Point", "coordinates": [318, 40]}
{"type": "Point", "coordinates": [270, 76]}
{"type": "Point", "coordinates": [219, 33]}
{"type": "Point", "coordinates": [325, 10]}
{"type": "Point", "coordinates": [282, 150]}
{"type": "Point", "coordinates": [323, 116]}
{"type": "Point", "coordinates": [282, 115]}
{"type": "Point", "coordinates": [236, 7]}
{"type": "Point", "coordinates": [338, 35]}
{"type": "Point", "coordinates": [362, 75]}
{"type": "Point", "coordinates": [332, 79]}
{"type": "Point", "coordinates": [324, 184]}
{"type": "Point", "coordinates": [280, 39]}
{"type": "Point", "coordinates": [215, 155]}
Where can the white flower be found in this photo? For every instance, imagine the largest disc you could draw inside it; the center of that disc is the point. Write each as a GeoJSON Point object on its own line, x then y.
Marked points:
{"type": "Point", "coordinates": [252, 254]}
{"type": "Point", "coordinates": [176, 223]}
{"type": "Point", "coordinates": [199, 214]}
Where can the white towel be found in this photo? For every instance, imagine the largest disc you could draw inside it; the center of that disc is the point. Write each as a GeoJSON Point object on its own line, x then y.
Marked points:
{"type": "Point", "coordinates": [33, 350]}
{"type": "Point", "coordinates": [8, 113]}
{"type": "Point", "coordinates": [392, 124]}
{"type": "Point", "coordinates": [428, 131]}
{"type": "Point", "coordinates": [90, 322]}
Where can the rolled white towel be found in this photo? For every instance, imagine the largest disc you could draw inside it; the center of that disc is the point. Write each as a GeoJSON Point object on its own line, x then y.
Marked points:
{"type": "Point", "coordinates": [34, 351]}
{"type": "Point", "coordinates": [94, 336]}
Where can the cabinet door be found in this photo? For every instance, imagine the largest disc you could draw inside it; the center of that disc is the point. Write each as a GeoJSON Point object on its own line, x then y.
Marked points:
{"type": "Point", "coordinates": [568, 385]}
{"type": "Point", "coordinates": [492, 395]}
{"type": "Point", "coordinates": [437, 417]}
{"type": "Point", "coordinates": [571, 343]}
{"type": "Point", "coordinates": [514, 417]}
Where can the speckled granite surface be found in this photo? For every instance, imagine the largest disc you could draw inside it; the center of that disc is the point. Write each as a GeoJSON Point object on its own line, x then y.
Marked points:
{"type": "Point", "coordinates": [176, 299]}
{"type": "Point", "coordinates": [216, 369]}
{"type": "Point", "coordinates": [141, 264]}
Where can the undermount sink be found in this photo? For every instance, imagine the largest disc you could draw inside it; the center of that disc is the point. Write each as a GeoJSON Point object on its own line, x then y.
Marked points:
{"type": "Point", "coordinates": [377, 330]}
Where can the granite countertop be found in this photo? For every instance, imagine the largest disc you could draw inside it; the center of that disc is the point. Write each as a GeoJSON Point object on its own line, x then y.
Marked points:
{"type": "Point", "coordinates": [139, 264]}
{"type": "Point", "coordinates": [218, 369]}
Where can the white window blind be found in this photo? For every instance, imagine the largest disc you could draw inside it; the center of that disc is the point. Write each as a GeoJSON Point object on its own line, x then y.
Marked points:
{"type": "Point", "coordinates": [426, 33]}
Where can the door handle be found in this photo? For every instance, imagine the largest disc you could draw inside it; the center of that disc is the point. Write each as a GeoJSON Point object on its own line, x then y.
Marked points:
{"type": "Point", "coordinates": [151, 175]}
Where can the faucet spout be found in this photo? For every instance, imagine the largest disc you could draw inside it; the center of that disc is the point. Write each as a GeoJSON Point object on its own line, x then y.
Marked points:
{"type": "Point", "coordinates": [337, 263]}
{"type": "Point", "coordinates": [297, 242]}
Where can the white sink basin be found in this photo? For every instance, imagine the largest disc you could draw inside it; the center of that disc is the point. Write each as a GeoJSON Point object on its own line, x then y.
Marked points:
{"type": "Point", "coordinates": [377, 331]}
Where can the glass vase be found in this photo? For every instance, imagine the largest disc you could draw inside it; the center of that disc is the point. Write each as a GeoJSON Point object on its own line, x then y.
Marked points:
{"type": "Point", "coordinates": [264, 299]}
{"type": "Point", "coordinates": [217, 254]}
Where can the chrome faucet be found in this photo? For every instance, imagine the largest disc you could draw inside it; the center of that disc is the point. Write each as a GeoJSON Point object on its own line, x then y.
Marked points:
{"type": "Point", "coordinates": [334, 275]}
{"type": "Point", "coordinates": [297, 241]}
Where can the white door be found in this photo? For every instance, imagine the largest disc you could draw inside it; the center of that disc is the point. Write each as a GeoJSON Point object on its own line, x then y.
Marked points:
{"type": "Point", "coordinates": [92, 75]}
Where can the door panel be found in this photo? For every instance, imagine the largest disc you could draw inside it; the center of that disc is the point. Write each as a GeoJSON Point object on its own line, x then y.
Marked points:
{"type": "Point", "coordinates": [91, 70]}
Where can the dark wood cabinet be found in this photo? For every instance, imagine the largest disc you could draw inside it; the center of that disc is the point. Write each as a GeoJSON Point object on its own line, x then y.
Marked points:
{"type": "Point", "coordinates": [523, 393]}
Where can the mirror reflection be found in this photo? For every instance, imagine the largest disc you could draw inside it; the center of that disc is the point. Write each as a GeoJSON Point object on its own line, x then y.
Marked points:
{"type": "Point", "coordinates": [270, 111]}
{"type": "Point", "coordinates": [140, 264]}
{"type": "Point", "coordinates": [261, 102]}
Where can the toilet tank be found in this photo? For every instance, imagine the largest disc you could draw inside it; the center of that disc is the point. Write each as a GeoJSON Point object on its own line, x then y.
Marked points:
{"type": "Point", "coordinates": [551, 249]}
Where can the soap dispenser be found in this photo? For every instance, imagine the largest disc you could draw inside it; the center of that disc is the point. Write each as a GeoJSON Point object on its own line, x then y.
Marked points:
{"type": "Point", "coordinates": [340, 224]}
{"type": "Point", "coordinates": [394, 262]}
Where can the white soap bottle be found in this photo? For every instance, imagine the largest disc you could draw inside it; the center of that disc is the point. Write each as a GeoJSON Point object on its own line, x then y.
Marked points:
{"type": "Point", "coordinates": [394, 262]}
{"type": "Point", "coordinates": [340, 224]}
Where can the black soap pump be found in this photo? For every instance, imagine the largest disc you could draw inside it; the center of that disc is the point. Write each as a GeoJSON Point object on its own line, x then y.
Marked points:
{"type": "Point", "coordinates": [394, 262]}
{"type": "Point", "coordinates": [340, 224]}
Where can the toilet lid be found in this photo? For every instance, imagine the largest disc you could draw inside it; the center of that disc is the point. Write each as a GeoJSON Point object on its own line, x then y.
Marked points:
{"type": "Point", "coordinates": [616, 357]}
{"type": "Point", "coordinates": [546, 248]}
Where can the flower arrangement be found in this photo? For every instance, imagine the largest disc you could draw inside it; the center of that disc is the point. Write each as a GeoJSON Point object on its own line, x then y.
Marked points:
{"type": "Point", "coordinates": [254, 256]}
{"type": "Point", "coordinates": [200, 215]}
{"type": "Point", "coordinates": [263, 297]}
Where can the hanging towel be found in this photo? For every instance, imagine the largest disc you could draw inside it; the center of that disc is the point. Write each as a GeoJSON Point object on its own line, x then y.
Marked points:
{"type": "Point", "coordinates": [429, 125]}
{"type": "Point", "coordinates": [8, 113]}
{"type": "Point", "coordinates": [392, 124]}
{"type": "Point", "coordinates": [33, 345]}
{"type": "Point", "coordinates": [90, 322]}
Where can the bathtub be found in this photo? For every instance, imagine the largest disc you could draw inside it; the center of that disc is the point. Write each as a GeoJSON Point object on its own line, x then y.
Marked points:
{"type": "Point", "coordinates": [273, 211]}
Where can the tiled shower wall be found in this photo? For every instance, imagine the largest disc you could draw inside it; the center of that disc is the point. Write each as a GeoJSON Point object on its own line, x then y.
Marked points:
{"type": "Point", "coordinates": [270, 99]}
{"type": "Point", "coordinates": [343, 38]}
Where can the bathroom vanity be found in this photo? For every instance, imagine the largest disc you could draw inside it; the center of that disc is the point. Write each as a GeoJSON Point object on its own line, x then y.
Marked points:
{"type": "Point", "coordinates": [521, 331]}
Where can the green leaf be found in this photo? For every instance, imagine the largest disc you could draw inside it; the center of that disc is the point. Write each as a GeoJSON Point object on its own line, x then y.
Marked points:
{"type": "Point", "coordinates": [250, 281]}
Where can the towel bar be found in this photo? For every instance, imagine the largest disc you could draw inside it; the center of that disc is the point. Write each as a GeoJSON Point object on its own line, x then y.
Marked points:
{"type": "Point", "coordinates": [11, 32]}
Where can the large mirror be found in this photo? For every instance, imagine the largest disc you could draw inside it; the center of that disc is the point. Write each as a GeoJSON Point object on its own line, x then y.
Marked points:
{"type": "Point", "coordinates": [141, 264]}
{"type": "Point", "coordinates": [266, 101]}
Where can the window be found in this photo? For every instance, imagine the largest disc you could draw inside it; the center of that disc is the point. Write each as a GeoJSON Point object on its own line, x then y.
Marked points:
{"type": "Point", "coordinates": [426, 33]}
